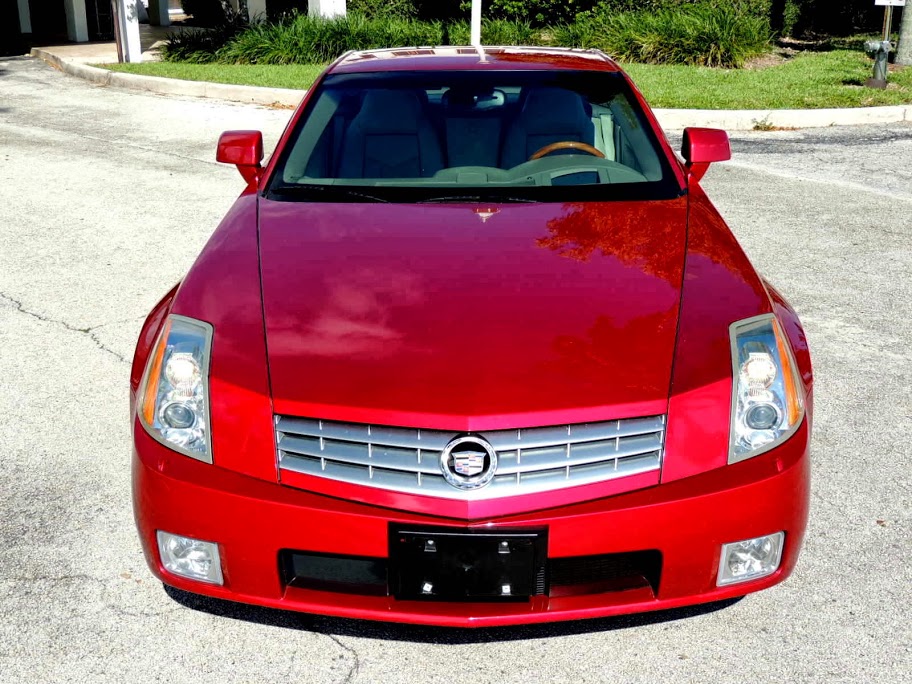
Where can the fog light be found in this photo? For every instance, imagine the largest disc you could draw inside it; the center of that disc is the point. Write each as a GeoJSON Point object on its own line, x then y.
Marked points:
{"type": "Point", "coordinates": [750, 559]}
{"type": "Point", "coordinates": [190, 558]}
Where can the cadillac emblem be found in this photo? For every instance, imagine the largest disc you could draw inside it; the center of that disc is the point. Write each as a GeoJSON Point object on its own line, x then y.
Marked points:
{"type": "Point", "coordinates": [468, 462]}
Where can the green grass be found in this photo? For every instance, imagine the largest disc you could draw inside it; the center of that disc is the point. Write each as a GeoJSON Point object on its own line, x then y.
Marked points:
{"type": "Point", "coordinates": [297, 76]}
{"type": "Point", "coordinates": [811, 80]}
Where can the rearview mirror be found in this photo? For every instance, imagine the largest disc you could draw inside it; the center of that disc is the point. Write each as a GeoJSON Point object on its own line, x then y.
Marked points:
{"type": "Point", "coordinates": [244, 149]}
{"type": "Point", "coordinates": [702, 147]}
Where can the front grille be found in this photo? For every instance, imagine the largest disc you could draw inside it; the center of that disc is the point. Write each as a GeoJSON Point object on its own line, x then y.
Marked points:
{"type": "Point", "coordinates": [530, 460]}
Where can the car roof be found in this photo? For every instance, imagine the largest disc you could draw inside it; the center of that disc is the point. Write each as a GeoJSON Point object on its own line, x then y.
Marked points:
{"type": "Point", "coordinates": [465, 58]}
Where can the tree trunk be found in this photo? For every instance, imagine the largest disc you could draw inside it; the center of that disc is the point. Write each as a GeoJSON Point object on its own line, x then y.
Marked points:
{"type": "Point", "coordinates": [904, 51]}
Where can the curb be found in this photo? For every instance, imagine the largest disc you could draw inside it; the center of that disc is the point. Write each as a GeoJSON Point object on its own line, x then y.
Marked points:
{"type": "Point", "coordinates": [669, 119]}
{"type": "Point", "coordinates": [768, 119]}
{"type": "Point", "coordinates": [173, 86]}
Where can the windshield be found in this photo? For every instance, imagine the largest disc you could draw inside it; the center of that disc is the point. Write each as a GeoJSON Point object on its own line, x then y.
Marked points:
{"type": "Point", "coordinates": [462, 135]}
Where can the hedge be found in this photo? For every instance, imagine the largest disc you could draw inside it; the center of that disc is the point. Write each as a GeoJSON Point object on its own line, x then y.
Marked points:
{"type": "Point", "coordinates": [711, 33]}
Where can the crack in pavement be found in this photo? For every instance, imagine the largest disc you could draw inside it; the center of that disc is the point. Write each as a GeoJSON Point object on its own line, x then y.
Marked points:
{"type": "Point", "coordinates": [50, 578]}
{"type": "Point", "coordinates": [88, 332]}
{"type": "Point", "coordinates": [356, 665]}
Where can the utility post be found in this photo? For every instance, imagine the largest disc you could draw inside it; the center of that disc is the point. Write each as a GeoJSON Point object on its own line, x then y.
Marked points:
{"type": "Point", "coordinates": [126, 30]}
{"type": "Point", "coordinates": [880, 51]}
{"type": "Point", "coordinates": [476, 23]}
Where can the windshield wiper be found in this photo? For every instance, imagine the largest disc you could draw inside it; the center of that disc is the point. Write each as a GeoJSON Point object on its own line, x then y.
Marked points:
{"type": "Point", "coordinates": [324, 193]}
{"type": "Point", "coordinates": [492, 199]}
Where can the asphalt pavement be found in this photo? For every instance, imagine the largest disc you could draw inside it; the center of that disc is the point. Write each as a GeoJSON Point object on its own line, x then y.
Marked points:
{"type": "Point", "coordinates": [106, 196]}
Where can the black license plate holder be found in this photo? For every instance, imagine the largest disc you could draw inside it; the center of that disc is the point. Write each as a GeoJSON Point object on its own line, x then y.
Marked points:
{"type": "Point", "coordinates": [440, 564]}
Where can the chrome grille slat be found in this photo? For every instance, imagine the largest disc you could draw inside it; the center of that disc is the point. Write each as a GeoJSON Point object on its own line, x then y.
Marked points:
{"type": "Point", "coordinates": [357, 432]}
{"type": "Point", "coordinates": [361, 454]}
{"type": "Point", "coordinates": [530, 460]}
{"type": "Point", "coordinates": [532, 438]}
{"type": "Point", "coordinates": [580, 454]}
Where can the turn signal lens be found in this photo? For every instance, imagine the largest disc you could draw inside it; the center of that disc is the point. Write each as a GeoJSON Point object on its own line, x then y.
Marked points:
{"type": "Point", "coordinates": [768, 400]}
{"type": "Point", "coordinates": [174, 404]}
{"type": "Point", "coordinates": [153, 374]}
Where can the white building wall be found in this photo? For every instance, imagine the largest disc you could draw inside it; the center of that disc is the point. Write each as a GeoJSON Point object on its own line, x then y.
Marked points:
{"type": "Point", "coordinates": [326, 8]}
{"type": "Point", "coordinates": [256, 9]}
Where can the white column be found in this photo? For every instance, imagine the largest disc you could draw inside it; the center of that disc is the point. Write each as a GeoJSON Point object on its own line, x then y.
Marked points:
{"type": "Point", "coordinates": [128, 26]}
{"type": "Point", "coordinates": [77, 25]}
{"type": "Point", "coordinates": [25, 18]}
{"type": "Point", "coordinates": [256, 10]}
{"type": "Point", "coordinates": [326, 8]}
{"type": "Point", "coordinates": [158, 13]}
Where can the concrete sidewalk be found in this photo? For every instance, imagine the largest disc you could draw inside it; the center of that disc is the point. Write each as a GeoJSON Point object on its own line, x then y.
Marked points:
{"type": "Point", "coordinates": [75, 60]}
{"type": "Point", "coordinates": [150, 38]}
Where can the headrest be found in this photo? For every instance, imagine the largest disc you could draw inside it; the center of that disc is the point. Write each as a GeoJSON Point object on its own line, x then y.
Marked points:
{"type": "Point", "coordinates": [553, 109]}
{"type": "Point", "coordinates": [390, 111]}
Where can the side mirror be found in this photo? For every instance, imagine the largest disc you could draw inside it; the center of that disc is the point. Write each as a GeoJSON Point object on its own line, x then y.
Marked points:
{"type": "Point", "coordinates": [702, 147]}
{"type": "Point", "coordinates": [244, 149]}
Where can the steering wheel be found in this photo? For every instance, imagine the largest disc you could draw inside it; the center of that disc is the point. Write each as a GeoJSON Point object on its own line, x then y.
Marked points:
{"type": "Point", "coordinates": [567, 145]}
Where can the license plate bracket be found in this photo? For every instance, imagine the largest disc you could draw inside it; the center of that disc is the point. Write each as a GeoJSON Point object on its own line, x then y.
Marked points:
{"type": "Point", "coordinates": [441, 564]}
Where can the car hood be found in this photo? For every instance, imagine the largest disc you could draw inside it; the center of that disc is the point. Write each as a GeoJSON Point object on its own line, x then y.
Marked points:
{"type": "Point", "coordinates": [471, 317]}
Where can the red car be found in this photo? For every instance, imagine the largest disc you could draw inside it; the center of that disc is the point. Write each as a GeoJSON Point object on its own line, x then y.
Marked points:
{"type": "Point", "coordinates": [473, 348]}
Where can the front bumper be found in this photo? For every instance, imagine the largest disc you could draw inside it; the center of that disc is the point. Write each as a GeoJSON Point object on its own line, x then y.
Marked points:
{"type": "Point", "coordinates": [687, 521]}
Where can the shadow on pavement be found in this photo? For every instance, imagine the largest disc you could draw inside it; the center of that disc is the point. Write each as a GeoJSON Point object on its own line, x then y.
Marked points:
{"type": "Point", "coordinates": [432, 635]}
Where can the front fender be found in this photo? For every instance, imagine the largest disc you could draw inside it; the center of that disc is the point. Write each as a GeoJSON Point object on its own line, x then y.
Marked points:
{"type": "Point", "coordinates": [796, 336]}
{"type": "Point", "coordinates": [147, 336]}
{"type": "Point", "coordinates": [720, 287]}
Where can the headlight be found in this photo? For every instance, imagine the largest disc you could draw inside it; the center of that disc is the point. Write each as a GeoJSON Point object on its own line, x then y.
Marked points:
{"type": "Point", "coordinates": [174, 397]}
{"type": "Point", "coordinates": [768, 399]}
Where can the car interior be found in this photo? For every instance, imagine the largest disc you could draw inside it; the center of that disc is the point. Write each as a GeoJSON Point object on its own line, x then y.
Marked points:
{"type": "Point", "coordinates": [470, 134]}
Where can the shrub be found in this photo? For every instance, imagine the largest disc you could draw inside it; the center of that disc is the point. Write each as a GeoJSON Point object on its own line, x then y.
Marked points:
{"type": "Point", "coordinates": [536, 12]}
{"type": "Point", "coordinates": [585, 32]}
{"type": "Point", "coordinates": [200, 46]}
{"type": "Point", "coordinates": [277, 9]}
{"type": "Point", "coordinates": [300, 39]}
{"type": "Point", "coordinates": [373, 9]}
{"type": "Point", "coordinates": [708, 32]}
{"type": "Point", "coordinates": [704, 33]}
{"type": "Point", "coordinates": [496, 32]}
